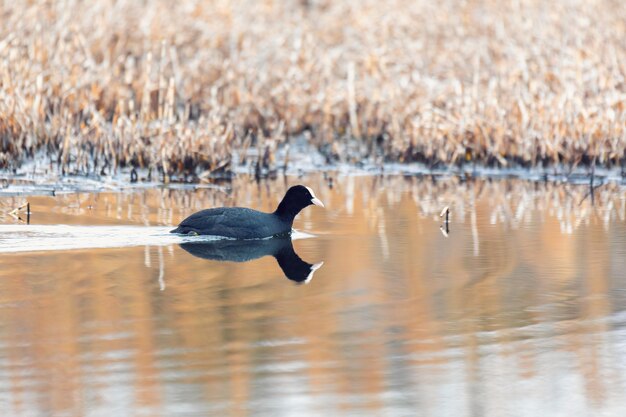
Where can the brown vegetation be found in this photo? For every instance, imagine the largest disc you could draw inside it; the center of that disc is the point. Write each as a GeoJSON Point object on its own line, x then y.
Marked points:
{"type": "Point", "coordinates": [177, 86]}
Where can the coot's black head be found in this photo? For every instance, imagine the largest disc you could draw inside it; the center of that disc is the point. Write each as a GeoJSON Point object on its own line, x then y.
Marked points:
{"type": "Point", "coordinates": [296, 198]}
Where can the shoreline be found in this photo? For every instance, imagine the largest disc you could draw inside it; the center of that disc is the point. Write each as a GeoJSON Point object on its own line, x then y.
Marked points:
{"type": "Point", "coordinates": [33, 183]}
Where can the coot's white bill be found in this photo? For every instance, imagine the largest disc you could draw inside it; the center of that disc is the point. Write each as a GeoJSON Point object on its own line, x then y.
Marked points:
{"type": "Point", "coordinates": [314, 268]}
{"type": "Point", "coordinates": [314, 199]}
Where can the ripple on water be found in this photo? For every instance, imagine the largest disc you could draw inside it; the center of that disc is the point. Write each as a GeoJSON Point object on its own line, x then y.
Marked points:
{"type": "Point", "coordinates": [31, 238]}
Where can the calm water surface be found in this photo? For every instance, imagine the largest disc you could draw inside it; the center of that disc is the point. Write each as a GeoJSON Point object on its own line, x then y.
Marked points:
{"type": "Point", "coordinates": [519, 311]}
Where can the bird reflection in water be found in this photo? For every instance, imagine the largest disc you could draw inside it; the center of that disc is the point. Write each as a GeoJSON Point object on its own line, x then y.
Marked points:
{"type": "Point", "coordinates": [280, 248]}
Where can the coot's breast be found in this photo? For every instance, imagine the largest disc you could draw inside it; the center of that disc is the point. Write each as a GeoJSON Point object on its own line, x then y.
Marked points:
{"type": "Point", "coordinates": [234, 222]}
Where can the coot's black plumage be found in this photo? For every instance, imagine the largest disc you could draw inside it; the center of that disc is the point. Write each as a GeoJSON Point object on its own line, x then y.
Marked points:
{"type": "Point", "coordinates": [245, 223]}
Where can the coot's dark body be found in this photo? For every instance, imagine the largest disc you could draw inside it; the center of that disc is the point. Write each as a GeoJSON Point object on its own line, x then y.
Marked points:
{"type": "Point", "coordinates": [245, 223]}
{"type": "Point", "coordinates": [234, 222]}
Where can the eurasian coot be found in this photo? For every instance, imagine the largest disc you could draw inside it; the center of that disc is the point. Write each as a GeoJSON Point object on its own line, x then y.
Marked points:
{"type": "Point", "coordinates": [245, 223]}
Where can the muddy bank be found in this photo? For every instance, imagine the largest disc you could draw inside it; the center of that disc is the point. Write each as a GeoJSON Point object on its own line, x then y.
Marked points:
{"type": "Point", "coordinates": [43, 176]}
{"type": "Point", "coordinates": [23, 185]}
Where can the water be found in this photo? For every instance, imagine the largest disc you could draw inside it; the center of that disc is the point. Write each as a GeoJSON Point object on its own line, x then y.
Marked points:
{"type": "Point", "coordinates": [519, 311]}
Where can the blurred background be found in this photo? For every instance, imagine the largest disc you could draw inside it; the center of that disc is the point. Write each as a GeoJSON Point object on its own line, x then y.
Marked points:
{"type": "Point", "coordinates": [180, 85]}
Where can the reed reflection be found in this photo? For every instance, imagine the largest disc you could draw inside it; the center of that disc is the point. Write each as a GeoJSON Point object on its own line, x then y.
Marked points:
{"type": "Point", "coordinates": [281, 248]}
{"type": "Point", "coordinates": [524, 296]}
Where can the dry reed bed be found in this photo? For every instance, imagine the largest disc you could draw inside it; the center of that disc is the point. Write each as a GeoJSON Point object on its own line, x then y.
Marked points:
{"type": "Point", "coordinates": [177, 86]}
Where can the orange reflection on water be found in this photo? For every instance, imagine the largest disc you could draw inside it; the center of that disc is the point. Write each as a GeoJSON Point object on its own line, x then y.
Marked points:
{"type": "Point", "coordinates": [519, 311]}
